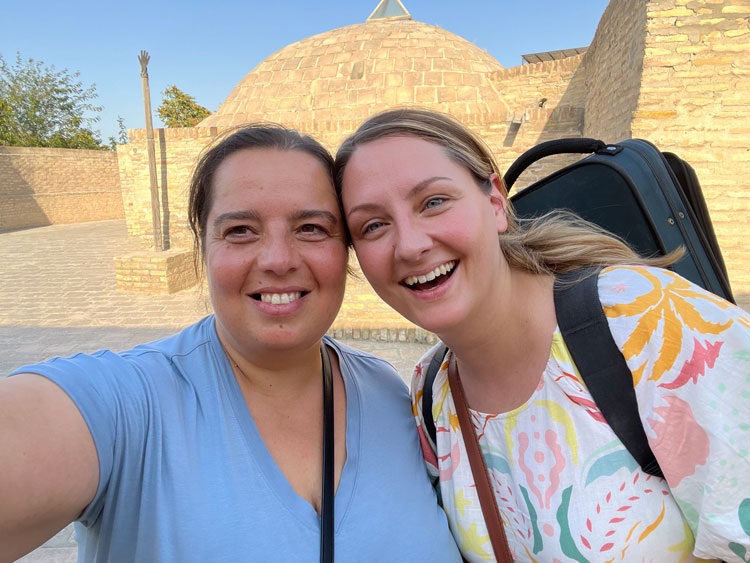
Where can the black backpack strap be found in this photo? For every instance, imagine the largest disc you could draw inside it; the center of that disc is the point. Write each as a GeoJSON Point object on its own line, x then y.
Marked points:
{"type": "Point", "coordinates": [429, 379]}
{"type": "Point", "coordinates": [600, 362]}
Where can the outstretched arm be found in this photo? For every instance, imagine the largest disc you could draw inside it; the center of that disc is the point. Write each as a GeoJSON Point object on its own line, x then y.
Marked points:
{"type": "Point", "coordinates": [49, 468]}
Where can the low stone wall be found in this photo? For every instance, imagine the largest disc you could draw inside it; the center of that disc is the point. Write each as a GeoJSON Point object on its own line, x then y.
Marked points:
{"type": "Point", "coordinates": [155, 271]}
{"type": "Point", "coordinates": [40, 186]}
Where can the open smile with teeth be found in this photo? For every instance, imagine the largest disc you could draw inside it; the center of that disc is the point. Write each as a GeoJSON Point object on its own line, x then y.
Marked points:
{"type": "Point", "coordinates": [419, 282]}
{"type": "Point", "coordinates": [278, 298]}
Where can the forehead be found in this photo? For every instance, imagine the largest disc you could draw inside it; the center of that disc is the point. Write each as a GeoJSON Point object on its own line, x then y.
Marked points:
{"type": "Point", "coordinates": [405, 146]}
{"type": "Point", "coordinates": [265, 174]}
{"type": "Point", "coordinates": [397, 154]}
{"type": "Point", "coordinates": [395, 160]}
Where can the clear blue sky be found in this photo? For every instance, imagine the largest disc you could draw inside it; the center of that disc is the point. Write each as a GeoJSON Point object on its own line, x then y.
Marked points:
{"type": "Point", "coordinates": [206, 48]}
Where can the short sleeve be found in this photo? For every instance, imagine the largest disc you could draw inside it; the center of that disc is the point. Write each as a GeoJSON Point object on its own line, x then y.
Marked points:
{"type": "Point", "coordinates": [689, 352]}
{"type": "Point", "coordinates": [109, 394]}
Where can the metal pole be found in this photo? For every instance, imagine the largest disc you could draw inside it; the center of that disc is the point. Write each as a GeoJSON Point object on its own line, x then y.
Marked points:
{"type": "Point", "coordinates": [143, 58]}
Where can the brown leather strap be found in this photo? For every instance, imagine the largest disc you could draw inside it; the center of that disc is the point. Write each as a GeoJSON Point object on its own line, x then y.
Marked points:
{"type": "Point", "coordinates": [478, 468]}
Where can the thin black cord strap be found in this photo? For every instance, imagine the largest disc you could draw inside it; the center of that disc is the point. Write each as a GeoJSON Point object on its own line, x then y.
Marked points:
{"type": "Point", "coordinates": [326, 512]}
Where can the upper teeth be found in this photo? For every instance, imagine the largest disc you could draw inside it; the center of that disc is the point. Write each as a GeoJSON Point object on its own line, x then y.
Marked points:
{"type": "Point", "coordinates": [429, 276]}
{"type": "Point", "coordinates": [279, 298]}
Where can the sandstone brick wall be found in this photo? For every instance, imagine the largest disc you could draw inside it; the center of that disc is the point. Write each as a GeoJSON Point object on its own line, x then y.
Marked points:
{"type": "Point", "coordinates": [40, 186]}
{"type": "Point", "coordinates": [614, 64]}
{"type": "Point", "coordinates": [176, 152]}
{"type": "Point", "coordinates": [546, 101]}
{"type": "Point", "coordinates": [675, 72]}
{"type": "Point", "coordinates": [695, 101]}
{"type": "Point", "coordinates": [671, 71]}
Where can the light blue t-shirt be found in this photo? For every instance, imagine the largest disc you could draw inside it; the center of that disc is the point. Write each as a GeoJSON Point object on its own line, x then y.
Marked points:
{"type": "Point", "coordinates": [185, 476]}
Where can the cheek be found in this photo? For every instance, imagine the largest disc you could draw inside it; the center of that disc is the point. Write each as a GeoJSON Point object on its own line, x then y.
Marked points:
{"type": "Point", "coordinates": [224, 269]}
{"type": "Point", "coordinates": [471, 230]}
{"type": "Point", "coordinates": [325, 262]}
{"type": "Point", "coordinates": [333, 265]}
{"type": "Point", "coordinates": [372, 257]}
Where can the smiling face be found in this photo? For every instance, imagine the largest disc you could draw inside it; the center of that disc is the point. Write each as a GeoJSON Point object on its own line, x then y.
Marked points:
{"type": "Point", "coordinates": [425, 233]}
{"type": "Point", "coordinates": [275, 250]}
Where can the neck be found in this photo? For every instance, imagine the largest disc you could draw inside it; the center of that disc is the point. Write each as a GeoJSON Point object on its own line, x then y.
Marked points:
{"type": "Point", "coordinates": [280, 375]}
{"type": "Point", "coordinates": [501, 358]}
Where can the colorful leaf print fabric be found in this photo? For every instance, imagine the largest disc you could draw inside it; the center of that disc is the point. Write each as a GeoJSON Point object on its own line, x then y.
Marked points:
{"type": "Point", "coordinates": [567, 488]}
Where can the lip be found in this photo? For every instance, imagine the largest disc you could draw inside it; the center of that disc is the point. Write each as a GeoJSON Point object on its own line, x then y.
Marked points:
{"type": "Point", "coordinates": [412, 281]}
{"type": "Point", "coordinates": [278, 301]}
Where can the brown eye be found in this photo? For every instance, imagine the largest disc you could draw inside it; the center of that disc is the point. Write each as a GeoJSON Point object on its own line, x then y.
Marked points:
{"type": "Point", "coordinates": [312, 231]}
{"type": "Point", "coordinates": [238, 233]}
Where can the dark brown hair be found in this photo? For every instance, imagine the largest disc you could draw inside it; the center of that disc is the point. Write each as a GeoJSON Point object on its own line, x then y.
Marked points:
{"type": "Point", "coordinates": [259, 135]}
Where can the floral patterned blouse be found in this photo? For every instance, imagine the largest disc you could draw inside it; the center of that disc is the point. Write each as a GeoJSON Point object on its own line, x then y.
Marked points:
{"type": "Point", "coordinates": [566, 487]}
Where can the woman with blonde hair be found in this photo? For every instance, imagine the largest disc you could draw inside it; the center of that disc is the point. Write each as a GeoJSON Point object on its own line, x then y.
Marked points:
{"type": "Point", "coordinates": [436, 237]}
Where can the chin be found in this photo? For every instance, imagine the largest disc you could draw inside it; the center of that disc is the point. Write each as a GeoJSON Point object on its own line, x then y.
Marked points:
{"type": "Point", "coordinates": [428, 322]}
{"type": "Point", "coordinates": [437, 320]}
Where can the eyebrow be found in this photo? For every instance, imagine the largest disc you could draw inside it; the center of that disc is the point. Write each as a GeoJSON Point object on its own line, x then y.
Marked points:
{"type": "Point", "coordinates": [235, 216]}
{"type": "Point", "coordinates": [315, 214]}
{"type": "Point", "coordinates": [414, 191]}
{"type": "Point", "coordinates": [298, 215]}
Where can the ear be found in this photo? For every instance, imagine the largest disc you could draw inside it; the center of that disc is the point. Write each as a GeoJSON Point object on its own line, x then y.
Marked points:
{"type": "Point", "coordinates": [499, 202]}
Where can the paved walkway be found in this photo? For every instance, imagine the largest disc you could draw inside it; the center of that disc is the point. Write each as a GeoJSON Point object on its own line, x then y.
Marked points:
{"type": "Point", "coordinates": [58, 297]}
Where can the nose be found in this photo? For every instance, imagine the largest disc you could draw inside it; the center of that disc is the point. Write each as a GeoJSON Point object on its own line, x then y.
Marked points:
{"type": "Point", "coordinates": [278, 254]}
{"type": "Point", "coordinates": [412, 242]}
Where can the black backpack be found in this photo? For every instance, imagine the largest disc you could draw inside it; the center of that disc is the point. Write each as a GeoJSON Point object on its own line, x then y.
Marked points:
{"type": "Point", "coordinates": [653, 201]}
{"type": "Point", "coordinates": [650, 199]}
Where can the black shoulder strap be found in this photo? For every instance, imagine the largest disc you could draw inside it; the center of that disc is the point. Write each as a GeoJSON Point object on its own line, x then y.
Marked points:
{"type": "Point", "coordinates": [599, 361]}
{"type": "Point", "coordinates": [429, 379]}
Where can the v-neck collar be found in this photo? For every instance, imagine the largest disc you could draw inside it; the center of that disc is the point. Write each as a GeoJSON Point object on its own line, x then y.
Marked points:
{"type": "Point", "coordinates": [298, 507]}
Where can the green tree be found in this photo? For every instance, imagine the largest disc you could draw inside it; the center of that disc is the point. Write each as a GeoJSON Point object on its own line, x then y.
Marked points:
{"type": "Point", "coordinates": [44, 107]}
{"type": "Point", "coordinates": [179, 109]}
{"type": "Point", "coordinates": [122, 134]}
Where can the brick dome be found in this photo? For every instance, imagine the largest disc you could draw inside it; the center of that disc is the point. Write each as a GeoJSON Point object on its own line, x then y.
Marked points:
{"type": "Point", "coordinates": [334, 79]}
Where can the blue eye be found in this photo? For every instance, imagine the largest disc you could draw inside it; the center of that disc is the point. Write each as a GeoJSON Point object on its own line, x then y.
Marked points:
{"type": "Point", "coordinates": [372, 227]}
{"type": "Point", "coordinates": [434, 202]}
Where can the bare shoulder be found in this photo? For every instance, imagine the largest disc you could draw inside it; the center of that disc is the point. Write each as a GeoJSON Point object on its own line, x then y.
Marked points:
{"type": "Point", "coordinates": [48, 462]}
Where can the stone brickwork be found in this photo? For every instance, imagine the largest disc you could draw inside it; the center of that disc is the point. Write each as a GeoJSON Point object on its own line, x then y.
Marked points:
{"type": "Point", "coordinates": [676, 72]}
{"type": "Point", "coordinates": [672, 71]}
{"type": "Point", "coordinates": [614, 69]}
{"type": "Point", "coordinates": [695, 100]}
{"type": "Point", "coordinates": [176, 153]}
{"type": "Point", "coordinates": [40, 186]}
{"type": "Point", "coordinates": [333, 79]}
{"type": "Point", "coordinates": [155, 271]}
{"type": "Point", "coordinates": [544, 101]}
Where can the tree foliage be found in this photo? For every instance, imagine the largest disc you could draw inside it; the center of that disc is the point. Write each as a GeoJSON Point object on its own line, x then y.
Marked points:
{"type": "Point", "coordinates": [44, 107]}
{"type": "Point", "coordinates": [179, 109]}
{"type": "Point", "coordinates": [122, 134]}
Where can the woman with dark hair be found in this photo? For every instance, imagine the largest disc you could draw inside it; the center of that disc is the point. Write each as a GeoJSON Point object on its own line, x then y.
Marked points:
{"type": "Point", "coordinates": [226, 441]}
{"type": "Point", "coordinates": [436, 237]}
